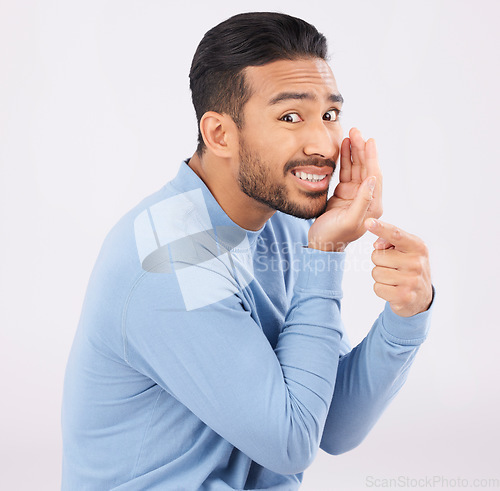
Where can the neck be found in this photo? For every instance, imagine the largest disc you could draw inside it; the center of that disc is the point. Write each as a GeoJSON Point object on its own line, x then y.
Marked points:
{"type": "Point", "coordinates": [221, 179]}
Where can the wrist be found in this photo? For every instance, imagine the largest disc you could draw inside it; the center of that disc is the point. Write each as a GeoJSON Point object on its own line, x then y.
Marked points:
{"type": "Point", "coordinates": [327, 246]}
{"type": "Point", "coordinates": [320, 270]}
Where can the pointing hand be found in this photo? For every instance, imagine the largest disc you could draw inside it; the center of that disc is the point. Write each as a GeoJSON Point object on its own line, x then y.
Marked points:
{"type": "Point", "coordinates": [402, 272]}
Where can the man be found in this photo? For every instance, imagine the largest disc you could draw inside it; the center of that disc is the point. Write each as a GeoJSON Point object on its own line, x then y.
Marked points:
{"type": "Point", "coordinates": [210, 353]}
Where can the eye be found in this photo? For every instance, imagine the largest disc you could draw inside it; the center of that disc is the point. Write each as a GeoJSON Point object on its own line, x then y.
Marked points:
{"type": "Point", "coordinates": [291, 118]}
{"type": "Point", "coordinates": [331, 115]}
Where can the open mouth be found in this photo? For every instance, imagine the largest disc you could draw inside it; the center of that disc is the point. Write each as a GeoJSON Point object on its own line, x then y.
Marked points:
{"type": "Point", "coordinates": [305, 176]}
{"type": "Point", "coordinates": [313, 178]}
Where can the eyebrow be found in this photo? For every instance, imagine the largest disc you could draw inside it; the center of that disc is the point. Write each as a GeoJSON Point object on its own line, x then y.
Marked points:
{"type": "Point", "coordinates": [285, 96]}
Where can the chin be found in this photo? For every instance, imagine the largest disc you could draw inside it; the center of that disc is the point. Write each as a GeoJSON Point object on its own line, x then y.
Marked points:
{"type": "Point", "coordinates": [314, 210]}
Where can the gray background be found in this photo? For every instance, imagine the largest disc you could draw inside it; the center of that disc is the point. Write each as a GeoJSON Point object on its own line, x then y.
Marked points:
{"type": "Point", "coordinates": [95, 114]}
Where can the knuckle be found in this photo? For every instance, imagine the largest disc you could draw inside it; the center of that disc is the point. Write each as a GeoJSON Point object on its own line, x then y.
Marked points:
{"type": "Point", "coordinates": [420, 246]}
{"type": "Point", "coordinates": [407, 296]}
{"type": "Point", "coordinates": [423, 264]}
{"type": "Point", "coordinates": [414, 283]}
{"type": "Point", "coordinates": [416, 264]}
{"type": "Point", "coordinates": [424, 248]}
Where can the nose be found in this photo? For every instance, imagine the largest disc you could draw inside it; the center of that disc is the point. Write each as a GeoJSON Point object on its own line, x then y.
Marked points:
{"type": "Point", "coordinates": [323, 140]}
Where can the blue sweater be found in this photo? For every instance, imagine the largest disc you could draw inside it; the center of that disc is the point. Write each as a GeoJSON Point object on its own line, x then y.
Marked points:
{"type": "Point", "coordinates": [211, 357]}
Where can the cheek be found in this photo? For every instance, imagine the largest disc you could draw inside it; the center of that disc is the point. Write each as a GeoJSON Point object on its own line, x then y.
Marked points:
{"type": "Point", "coordinates": [274, 147]}
{"type": "Point", "coordinates": [271, 142]}
{"type": "Point", "coordinates": [339, 132]}
{"type": "Point", "coordinates": [336, 132]}
{"type": "Point", "coordinates": [283, 144]}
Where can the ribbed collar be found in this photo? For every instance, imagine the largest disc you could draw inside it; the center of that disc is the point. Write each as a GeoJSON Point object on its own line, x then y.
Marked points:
{"type": "Point", "coordinates": [187, 180]}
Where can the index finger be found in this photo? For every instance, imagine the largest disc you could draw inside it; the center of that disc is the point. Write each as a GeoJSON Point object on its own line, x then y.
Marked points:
{"type": "Point", "coordinates": [345, 161]}
{"type": "Point", "coordinates": [372, 167]}
{"type": "Point", "coordinates": [358, 155]}
{"type": "Point", "coordinates": [402, 241]}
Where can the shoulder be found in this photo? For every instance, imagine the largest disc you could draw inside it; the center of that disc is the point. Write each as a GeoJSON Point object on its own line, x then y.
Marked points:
{"type": "Point", "coordinates": [182, 251]}
{"type": "Point", "coordinates": [172, 222]}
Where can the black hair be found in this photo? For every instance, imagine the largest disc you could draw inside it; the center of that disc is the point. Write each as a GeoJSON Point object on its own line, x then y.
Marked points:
{"type": "Point", "coordinates": [217, 78]}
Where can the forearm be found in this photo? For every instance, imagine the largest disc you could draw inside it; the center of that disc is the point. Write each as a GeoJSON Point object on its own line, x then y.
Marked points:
{"type": "Point", "coordinates": [270, 404]}
{"type": "Point", "coordinates": [370, 376]}
{"type": "Point", "coordinates": [309, 339]}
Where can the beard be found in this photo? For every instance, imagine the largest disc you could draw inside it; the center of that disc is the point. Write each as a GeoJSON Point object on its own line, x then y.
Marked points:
{"type": "Point", "coordinates": [256, 180]}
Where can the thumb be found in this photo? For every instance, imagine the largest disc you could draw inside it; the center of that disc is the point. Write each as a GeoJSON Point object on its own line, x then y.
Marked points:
{"type": "Point", "coordinates": [361, 202]}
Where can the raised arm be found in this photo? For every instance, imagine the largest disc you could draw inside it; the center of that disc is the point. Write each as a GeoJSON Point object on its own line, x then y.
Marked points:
{"type": "Point", "coordinates": [215, 360]}
{"type": "Point", "coordinates": [373, 372]}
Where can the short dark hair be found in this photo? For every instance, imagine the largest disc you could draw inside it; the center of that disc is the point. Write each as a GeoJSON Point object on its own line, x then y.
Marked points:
{"type": "Point", "coordinates": [216, 77]}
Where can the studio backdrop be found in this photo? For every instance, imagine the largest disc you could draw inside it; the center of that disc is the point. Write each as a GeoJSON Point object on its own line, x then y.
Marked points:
{"type": "Point", "coordinates": [95, 114]}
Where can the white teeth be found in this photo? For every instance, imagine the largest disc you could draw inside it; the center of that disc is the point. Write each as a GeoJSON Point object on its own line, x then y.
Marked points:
{"type": "Point", "coordinates": [310, 177]}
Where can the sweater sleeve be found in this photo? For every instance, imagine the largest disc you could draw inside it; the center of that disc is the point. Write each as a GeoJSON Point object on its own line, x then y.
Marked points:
{"type": "Point", "coordinates": [370, 375]}
{"type": "Point", "coordinates": [270, 404]}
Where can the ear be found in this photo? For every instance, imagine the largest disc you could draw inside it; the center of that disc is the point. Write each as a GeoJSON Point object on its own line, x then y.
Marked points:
{"type": "Point", "coordinates": [218, 132]}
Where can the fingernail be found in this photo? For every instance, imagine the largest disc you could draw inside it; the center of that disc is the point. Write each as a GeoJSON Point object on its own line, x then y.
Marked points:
{"type": "Point", "coordinates": [371, 183]}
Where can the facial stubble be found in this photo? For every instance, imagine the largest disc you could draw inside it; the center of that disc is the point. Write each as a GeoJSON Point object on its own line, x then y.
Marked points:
{"type": "Point", "coordinates": [256, 180]}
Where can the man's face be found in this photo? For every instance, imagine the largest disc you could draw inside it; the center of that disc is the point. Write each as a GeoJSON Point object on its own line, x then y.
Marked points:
{"type": "Point", "coordinates": [291, 137]}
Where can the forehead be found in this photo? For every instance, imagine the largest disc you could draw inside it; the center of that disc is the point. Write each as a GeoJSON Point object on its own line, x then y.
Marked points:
{"type": "Point", "coordinates": [311, 75]}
